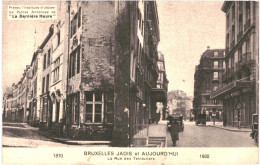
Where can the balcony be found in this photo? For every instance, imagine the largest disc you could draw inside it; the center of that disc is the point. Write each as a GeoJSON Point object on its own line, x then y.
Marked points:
{"type": "Point", "coordinates": [247, 25]}
{"type": "Point", "coordinates": [224, 76]}
{"type": "Point", "coordinates": [232, 87]}
{"type": "Point", "coordinates": [246, 59]}
{"type": "Point", "coordinates": [239, 36]}
{"type": "Point", "coordinates": [232, 44]}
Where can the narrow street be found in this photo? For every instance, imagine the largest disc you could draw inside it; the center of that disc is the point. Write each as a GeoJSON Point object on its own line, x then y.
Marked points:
{"type": "Point", "coordinates": [206, 136]}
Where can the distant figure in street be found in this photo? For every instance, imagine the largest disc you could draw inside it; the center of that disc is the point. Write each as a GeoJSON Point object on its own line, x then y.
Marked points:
{"type": "Point", "coordinates": [174, 131]}
{"type": "Point", "coordinates": [157, 116]}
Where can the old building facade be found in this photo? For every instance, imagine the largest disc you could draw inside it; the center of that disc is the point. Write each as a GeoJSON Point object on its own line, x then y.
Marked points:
{"type": "Point", "coordinates": [207, 79]}
{"type": "Point", "coordinates": [240, 79]}
{"type": "Point", "coordinates": [95, 76]}
{"type": "Point", "coordinates": [15, 102]}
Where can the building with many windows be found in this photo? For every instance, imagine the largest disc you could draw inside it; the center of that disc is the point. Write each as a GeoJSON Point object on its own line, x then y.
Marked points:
{"type": "Point", "coordinates": [239, 92]}
{"type": "Point", "coordinates": [15, 102]}
{"type": "Point", "coordinates": [95, 75]}
{"type": "Point", "coordinates": [162, 85]}
{"type": "Point", "coordinates": [207, 79]}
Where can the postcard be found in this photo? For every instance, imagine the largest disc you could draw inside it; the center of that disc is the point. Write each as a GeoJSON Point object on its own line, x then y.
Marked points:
{"type": "Point", "coordinates": [130, 82]}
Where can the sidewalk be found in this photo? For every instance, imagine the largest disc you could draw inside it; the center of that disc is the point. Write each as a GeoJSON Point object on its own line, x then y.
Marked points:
{"type": "Point", "coordinates": [158, 130]}
{"type": "Point", "coordinates": [19, 125]}
{"type": "Point", "coordinates": [229, 128]}
{"type": "Point", "coordinates": [154, 136]}
{"type": "Point", "coordinates": [68, 141]}
{"type": "Point", "coordinates": [53, 137]}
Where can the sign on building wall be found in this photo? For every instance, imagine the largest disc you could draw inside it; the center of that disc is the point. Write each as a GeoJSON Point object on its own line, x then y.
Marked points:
{"type": "Point", "coordinates": [100, 41]}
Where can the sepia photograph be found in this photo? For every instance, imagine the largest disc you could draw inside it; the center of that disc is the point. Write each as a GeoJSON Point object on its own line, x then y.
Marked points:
{"type": "Point", "coordinates": [130, 81]}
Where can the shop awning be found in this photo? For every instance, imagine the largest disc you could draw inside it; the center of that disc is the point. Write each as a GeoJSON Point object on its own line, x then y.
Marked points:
{"type": "Point", "coordinates": [159, 94]}
{"type": "Point", "coordinates": [232, 87]}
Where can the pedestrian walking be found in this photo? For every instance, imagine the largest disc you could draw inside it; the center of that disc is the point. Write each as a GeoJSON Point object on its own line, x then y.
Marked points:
{"type": "Point", "coordinates": [157, 116]}
{"type": "Point", "coordinates": [174, 131]}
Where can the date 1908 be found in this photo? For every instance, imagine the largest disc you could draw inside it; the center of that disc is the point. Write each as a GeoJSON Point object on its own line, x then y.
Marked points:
{"type": "Point", "coordinates": [204, 156]}
{"type": "Point", "coordinates": [58, 155]}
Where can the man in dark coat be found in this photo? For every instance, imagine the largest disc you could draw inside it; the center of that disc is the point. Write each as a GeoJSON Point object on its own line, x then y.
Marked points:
{"type": "Point", "coordinates": [174, 131]}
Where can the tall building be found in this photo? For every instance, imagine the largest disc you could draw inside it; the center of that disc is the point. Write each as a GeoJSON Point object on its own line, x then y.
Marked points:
{"type": "Point", "coordinates": [162, 87]}
{"type": "Point", "coordinates": [208, 78]}
{"type": "Point", "coordinates": [240, 79]}
{"type": "Point", "coordinates": [136, 77]}
{"type": "Point", "coordinates": [177, 102]}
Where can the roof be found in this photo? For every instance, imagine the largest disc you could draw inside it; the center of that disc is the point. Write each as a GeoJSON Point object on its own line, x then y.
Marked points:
{"type": "Point", "coordinates": [226, 5]}
{"type": "Point", "coordinates": [51, 29]}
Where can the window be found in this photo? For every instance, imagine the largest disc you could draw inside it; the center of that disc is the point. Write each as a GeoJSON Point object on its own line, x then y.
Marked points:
{"type": "Point", "coordinates": [233, 11]}
{"type": "Point", "coordinates": [94, 107]}
{"type": "Point", "coordinates": [49, 58]}
{"type": "Point", "coordinates": [109, 110]}
{"type": "Point", "coordinates": [233, 33]}
{"type": "Point", "coordinates": [204, 100]}
{"type": "Point", "coordinates": [79, 17]}
{"type": "Point", "coordinates": [247, 10]}
{"type": "Point", "coordinates": [248, 45]}
{"type": "Point", "coordinates": [215, 87]}
{"type": "Point", "coordinates": [44, 61]}
{"type": "Point", "coordinates": [56, 71]}
{"type": "Point", "coordinates": [240, 53]}
{"type": "Point", "coordinates": [74, 25]}
{"type": "Point", "coordinates": [139, 52]}
{"type": "Point", "coordinates": [227, 21]}
{"type": "Point", "coordinates": [160, 78]}
{"type": "Point", "coordinates": [160, 66]}
{"type": "Point", "coordinates": [215, 64]}
{"type": "Point", "coordinates": [215, 54]}
{"type": "Point", "coordinates": [74, 108]}
{"type": "Point", "coordinates": [57, 111]}
{"type": "Point", "coordinates": [227, 41]}
{"type": "Point", "coordinates": [47, 83]}
{"type": "Point", "coordinates": [43, 85]}
{"type": "Point", "coordinates": [215, 101]}
{"type": "Point", "coordinates": [232, 61]}
{"type": "Point", "coordinates": [240, 23]}
{"type": "Point", "coordinates": [240, 4]}
{"type": "Point", "coordinates": [44, 108]}
{"type": "Point", "coordinates": [58, 35]}
{"type": "Point", "coordinates": [74, 62]}
{"type": "Point", "coordinates": [215, 76]}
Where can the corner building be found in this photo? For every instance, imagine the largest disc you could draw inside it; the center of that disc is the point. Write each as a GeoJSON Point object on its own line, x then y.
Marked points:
{"type": "Point", "coordinates": [91, 68]}
{"type": "Point", "coordinates": [207, 79]}
{"type": "Point", "coordinates": [240, 79]}
{"type": "Point", "coordinates": [112, 70]}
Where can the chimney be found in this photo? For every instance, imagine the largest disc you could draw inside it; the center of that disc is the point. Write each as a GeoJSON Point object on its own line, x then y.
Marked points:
{"type": "Point", "coordinates": [208, 47]}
